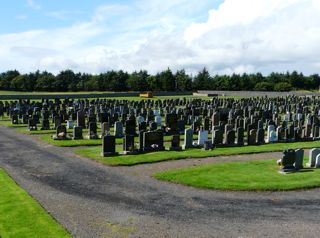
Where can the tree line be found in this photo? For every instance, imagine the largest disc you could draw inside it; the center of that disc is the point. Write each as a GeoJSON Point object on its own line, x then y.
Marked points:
{"type": "Point", "coordinates": [167, 80]}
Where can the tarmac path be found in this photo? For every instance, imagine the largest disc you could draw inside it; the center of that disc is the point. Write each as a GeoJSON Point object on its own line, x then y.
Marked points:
{"type": "Point", "coordinates": [92, 200]}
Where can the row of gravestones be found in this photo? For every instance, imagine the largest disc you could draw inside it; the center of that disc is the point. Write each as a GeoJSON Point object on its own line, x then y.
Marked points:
{"type": "Point", "coordinates": [292, 160]}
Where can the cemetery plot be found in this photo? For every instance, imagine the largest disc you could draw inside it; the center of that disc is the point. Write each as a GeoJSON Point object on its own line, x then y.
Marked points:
{"type": "Point", "coordinates": [133, 128]}
{"type": "Point", "coordinates": [22, 216]}
{"type": "Point", "coordinates": [243, 176]}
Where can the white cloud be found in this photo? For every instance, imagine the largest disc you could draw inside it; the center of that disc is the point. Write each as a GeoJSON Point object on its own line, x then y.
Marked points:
{"type": "Point", "coordinates": [33, 4]}
{"type": "Point", "coordinates": [239, 36]}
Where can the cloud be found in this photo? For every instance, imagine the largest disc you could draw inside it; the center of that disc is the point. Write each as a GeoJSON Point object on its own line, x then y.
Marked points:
{"type": "Point", "coordinates": [33, 4]}
{"type": "Point", "coordinates": [238, 36]}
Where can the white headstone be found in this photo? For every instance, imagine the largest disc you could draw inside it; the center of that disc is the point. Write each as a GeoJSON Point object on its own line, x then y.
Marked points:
{"type": "Point", "coordinates": [312, 157]}
{"type": "Point", "coordinates": [271, 131]}
{"type": "Point", "coordinates": [70, 124]}
{"type": "Point", "coordinates": [202, 137]}
{"type": "Point", "coordinates": [158, 120]}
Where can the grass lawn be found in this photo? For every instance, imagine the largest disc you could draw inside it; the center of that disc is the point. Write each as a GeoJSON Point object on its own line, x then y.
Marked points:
{"type": "Point", "coordinates": [129, 160]}
{"type": "Point", "coordinates": [22, 216]}
{"type": "Point", "coordinates": [47, 137]}
{"type": "Point", "coordinates": [243, 176]}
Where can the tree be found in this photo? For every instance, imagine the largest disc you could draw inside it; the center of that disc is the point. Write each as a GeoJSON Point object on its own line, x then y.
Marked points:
{"type": "Point", "coordinates": [202, 80]}
{"type": "Point", "coordinates": [6, 78]}
{"type": "Point", "coordinates": [64, 79]}
{"type": "Point", "coordinates": [282, 87]}
{"type": "Point", "coordinates": [183, 81]}
{"type": "Point", "coordinates": [45, 82]}
{"type": "Point", "coordinates": [264, 86]}
{"type": "Point", "coordinates": [167, 80]}
{"type": "Point", "coordinates": [138, 81]}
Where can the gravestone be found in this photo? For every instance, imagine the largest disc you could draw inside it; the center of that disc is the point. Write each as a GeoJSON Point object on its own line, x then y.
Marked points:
{"type": "Point", "coordinates": [142, 126]}
{"type": "Point", "coordinates": [92, 131]}
{"type": "Point", "coordinates": [317, 164]}
{"type": "Point", "coordinates": [158, 120]}
{"type": "Point", "coordinates": [287, 161]}
{"type": "Point", "coordinates": [202, 137]}
{"type": "Point", "coordinates": [129, 145]}
{"type": "Point", "coordinates": [208, 145]}
{"type": "Point", "coordinates": [70, 124]}
{"type": "Point", "coordinates": [240, 136]}
{"type": "Point", "coordinates": [230, 137]}
{"type": "Point", "coordinates": [61, 133]}
{"type": "Point", "coordinates": [217, 137]}
{"type": "Point", "coordinates": [118, 129]}
{"type": "Point", "coordinates": [105, 129]}
{"type": "Point", "coordinates": [299, 159]}
{"type": "Point", "coordinates": [313, 153]}
{"type": "Point", "coordinates": [175, 143]}
{"type": "Point", "coordinates": [252, 137]}
{"type": "Point", "coordinates": [81, 119]}
{"type": "Point", "coordinates": [188, 139]}
{"type": "Point", "coordinates": [32, 125]}
{"type": "Point", "coordinates": [153, 141]}
{"type": "Point", "coordinates": [108, 146]}
{"type": "Point", "coordinates": [77, 133]}
{"type": "Point", "coordinates": [260, 136]}
{"type": "Point", "coordinates": [45, 124]}
{"type": "Point", "coordinates": [153, 126]}
{"type": "Point", "coordinates": [130, 128]}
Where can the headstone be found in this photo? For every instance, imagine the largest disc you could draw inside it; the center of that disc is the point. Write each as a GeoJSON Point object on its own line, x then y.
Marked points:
{"type": "Point", "coordinates": [105, 129]}
{"type": "Point", "coordinates": [299, 159]}
{"type": "Point", "coordinates": [129, 145]}
{"type": "Point", "coordinates": [313, 153]}
{"type": "Point", "coordinates": [118, 129]}
{"type": "Point", "coordinates": [81, 119]}
{"type": "Point", "coordinates": [217, 137]}
{"type": "Point", "coordinates": [153, 141]}
{"type": "Point", "coordinates": [317, 165]}
{"type": "Point", "coordinates": [70, 124]}
{"type": "Point", "coordinates": [32, 125]}
{"type": "Point", "coordinates": [208, 145]}
{"type": "Point", "coordinates": [158, 120]}
{"type": "Point", "coordinates": [260, 136]}
{"type": "Point", "coordinates": [230, 137]}
{"type": "Point", "coordinates": [240, 136]}
{"type": "Point", "coordinates": [77, 133]}
{"type": "Point", "coordinates": [92, 131]}
{"type": "Point", "coordinates": [108, 146]}
{"type": "Point", "coordinates": [287, 161]}
{"type": "Point", "coordinates": [61, 133]}
{"type": "Point", "coordinates": [45, 124]}
{"type": "Point", "coordinates": [188, 139]}
{"type": "Point", "coordinates": [175, 143]}
{"type": "Point", "coordinates": [202, 137]}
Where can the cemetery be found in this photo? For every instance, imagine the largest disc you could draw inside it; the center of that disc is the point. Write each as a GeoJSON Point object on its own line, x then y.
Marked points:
{"type": "Point", "coordinates": [125, 132]}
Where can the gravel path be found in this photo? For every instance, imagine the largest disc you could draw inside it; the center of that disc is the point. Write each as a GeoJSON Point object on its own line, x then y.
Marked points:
{"type": "Point", "coordinates": [92, 200]}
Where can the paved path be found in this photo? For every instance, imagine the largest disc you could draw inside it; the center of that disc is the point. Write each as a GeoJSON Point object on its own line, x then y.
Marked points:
{"type": "Point", "coordinates": [92, 200]}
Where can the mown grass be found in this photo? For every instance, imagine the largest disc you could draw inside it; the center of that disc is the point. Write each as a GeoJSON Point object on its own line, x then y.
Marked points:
{"type": "Point", "coordinates": [243, 176]}
{"type": "Point", "coordinates": [129, 160]}
{"type": "Point", "coordinates": [47, 138]}
{"type": "Point", "coordinates": [21, 216]}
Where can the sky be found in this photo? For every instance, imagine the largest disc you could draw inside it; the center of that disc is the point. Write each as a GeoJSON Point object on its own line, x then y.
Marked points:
{"type": "Point", "coordinates": [225, 36]}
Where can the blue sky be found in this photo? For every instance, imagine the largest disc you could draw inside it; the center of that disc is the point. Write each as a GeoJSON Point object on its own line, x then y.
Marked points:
{"type": "Point", "coordinates": [225, 36]}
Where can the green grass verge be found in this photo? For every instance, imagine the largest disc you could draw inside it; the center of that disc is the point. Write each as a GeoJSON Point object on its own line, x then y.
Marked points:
{"type": "Point", "coordinates": [47, 138]}
{"type": "Point", "coordinates": [22, 216]}
{"type": "Point", "coordinates": [129, 160]}
{"type": "Point", "coordinates": [243, 176]}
